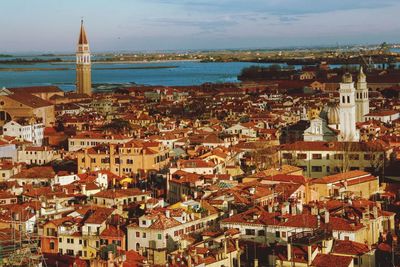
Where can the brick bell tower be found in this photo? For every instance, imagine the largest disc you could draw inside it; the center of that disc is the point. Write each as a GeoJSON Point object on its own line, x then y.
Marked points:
{"type": "Point", "coordinates": [83, 64]}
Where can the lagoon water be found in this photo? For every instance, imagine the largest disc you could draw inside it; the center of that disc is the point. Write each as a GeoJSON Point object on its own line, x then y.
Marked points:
{"type": "Point", "coordinates": [183, 73]}
{"type": "Point", "coordinates": [63, 74]}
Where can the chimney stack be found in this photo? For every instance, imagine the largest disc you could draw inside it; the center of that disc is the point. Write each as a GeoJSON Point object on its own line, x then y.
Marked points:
{"type": "Point", "coordinates": [375, 212]}
{"type": "Point", "coordinates": [326, 216]}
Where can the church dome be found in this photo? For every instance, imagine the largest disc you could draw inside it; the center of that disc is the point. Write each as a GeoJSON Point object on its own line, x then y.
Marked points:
{"type": "Point", "coordinates": [330, 113]}
{"type": "Point", "coordinates": [347, 78]}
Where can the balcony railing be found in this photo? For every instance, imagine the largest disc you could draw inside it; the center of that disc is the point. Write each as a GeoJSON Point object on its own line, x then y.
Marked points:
{"type": "Point", "coordinates": [310, 237]}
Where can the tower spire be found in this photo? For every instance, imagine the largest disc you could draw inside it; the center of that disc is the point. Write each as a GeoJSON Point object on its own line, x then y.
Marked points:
{"type": "Point", "coordinates": [83, 64]}
{"type": "Point", "coordinates": [82, 35]}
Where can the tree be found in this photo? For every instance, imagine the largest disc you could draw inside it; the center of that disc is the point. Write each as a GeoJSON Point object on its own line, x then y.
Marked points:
{"type": "Point", "coordinates": [117, 125]}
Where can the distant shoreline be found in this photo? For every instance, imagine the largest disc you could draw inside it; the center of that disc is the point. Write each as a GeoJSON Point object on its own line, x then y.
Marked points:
{"type": "Point", "coordinates": [131, 62]}
{"type": "Point", "coordinates": [64, 69]}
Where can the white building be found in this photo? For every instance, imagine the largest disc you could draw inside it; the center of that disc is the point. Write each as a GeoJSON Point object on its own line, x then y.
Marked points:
{"type": "Point", "coordinates": [386, 116]}
{"type": "Point", "coordinates": [241, 130]}
{"type": "Point", "coordinates": [319, 159]}
{"type": "Point", "coordinates": [37, 155]}
{"type": "Point", "coordinates": [30, 131]}
{"type": "Point", "coordinates": [156, 231]}
{"type": "Point", "coordinates": [91, 139]}
{"type": "Point", "coordinates": [319, 131]}
{"type": "Point", "coordinates": [8, 151]}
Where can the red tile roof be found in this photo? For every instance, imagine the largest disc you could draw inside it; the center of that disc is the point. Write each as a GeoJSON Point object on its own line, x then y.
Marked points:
{"type": "Point", "coordinates": [348, 247]}
{"type": "Point", "coordinates": [328, 260]}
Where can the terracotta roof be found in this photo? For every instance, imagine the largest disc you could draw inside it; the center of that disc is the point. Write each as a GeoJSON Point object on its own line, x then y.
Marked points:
{"type": "Point", "coordinates": [112, 231]}
{"type": "Point", "coordinates": [36, 172]}
{"type": "Point", "coordinates": [36, 89]}
{"type": "Point", "coordinates": [350, 175]}
{"type": "Point", "coordinates": [329, 260]}
{"type": "Point", "coordinates": [162, 222]}
{"type": "Point", "coordinates": [382, 113]}
{"type": "Point", "coordinates": [99, 215]}
{"type": "Point", "coordinates": [28, 99]}
{"type": "Point", "coordinates": [120, 193]}
{"type": "Point", "coordinates": [348, 247]}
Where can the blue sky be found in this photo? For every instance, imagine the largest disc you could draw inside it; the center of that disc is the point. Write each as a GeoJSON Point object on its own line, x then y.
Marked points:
{"type": "Point", "coordinates": [137, 25]}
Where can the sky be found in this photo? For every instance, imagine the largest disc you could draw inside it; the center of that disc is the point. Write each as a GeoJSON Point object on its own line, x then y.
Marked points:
{"type": "Point", "coordinates": [157, 25]}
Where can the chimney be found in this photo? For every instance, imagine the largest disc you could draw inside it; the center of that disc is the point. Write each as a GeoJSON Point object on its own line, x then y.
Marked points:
{"type": "Point", "coordinates": [293, 209]}
{"type": "Point", "coordinates": [286, 207]}
{"type": "Point", "coordinates": [168, 213]}
{"type": "Point", "coordinates": [318, 221]}
{"type": "Point", "coordinates": [110, 257]}
{"type": "Point", "coordinates": [270, 207]}
{"type": "Point", "coordinates": [375, 212]}
{"type": "Point", "coordinates": [252, 190]}
{"type": "Point", "coordinates": [225, 248]}
{"type": "Point", "coordinates": [326, 216]}
{"type": "Point", "coordinates": [314, 210]}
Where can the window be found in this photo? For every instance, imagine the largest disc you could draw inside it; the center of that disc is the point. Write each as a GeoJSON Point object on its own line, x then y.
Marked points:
{"type": "Point", "coordinates": [368, 156]}
{"type": "Point", "coordinates": [144, 235]}
{"type": "Point", "coordinates": [60, 240]}
{"type": "Point", "coordinates": [51, 245]}
{"type": "Point", "coordinates": [301, 156]}
{"type": "Point", "coordinates": [316, 168]}
{"type": "Point", "coordinates": [250, 232]}
{"type": "Point", "coordinates": [316, 156]}
{"type": "Point", "coordinates": [354, 157]}
{"type": "Point", "coordinates": [346, 238]}
{"type": "Point", "coordinates": [354, 168]}
{"type": "Point", "coordinates": [287, 155]}
{"type": "Point", "coordinates": [304, 168]}
{"type": "Point", "coordinates": [328, 169]}
{"type": "Point", "coordinates": [144, 222]}
{"type": "Point", "coordinates": [338, 156]}
{"type": "Point", "coordinates": [277, 234]}
{"type": "Point", "coordinates": [159, 236]}
{"type": "Point", "coordinates": [348, 99]}
{"type": "Point", "coordinates": [283, 234]}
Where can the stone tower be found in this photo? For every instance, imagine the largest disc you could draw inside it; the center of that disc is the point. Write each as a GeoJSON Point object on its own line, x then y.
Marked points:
{"type": "Point", "coordinates": [347, 109]}
{"type": "Point", "coordinates": [362, 99]}
{"type": "Point", "coordinates": [83, 64]}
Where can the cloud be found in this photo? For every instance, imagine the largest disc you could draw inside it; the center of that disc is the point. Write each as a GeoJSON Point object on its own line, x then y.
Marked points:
{"type": "Point", "coordinates": [275, 7]}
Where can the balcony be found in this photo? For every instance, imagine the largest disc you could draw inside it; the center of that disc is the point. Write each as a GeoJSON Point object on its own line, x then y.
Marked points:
{"type": "Point", "coordinates": [308, 238]}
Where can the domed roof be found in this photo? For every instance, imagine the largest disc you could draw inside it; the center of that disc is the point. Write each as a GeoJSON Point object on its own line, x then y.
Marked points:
{"type": "Point", "coordinates": [330, 113]}
{"type": "Point", "coordinates": [347, 78]}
